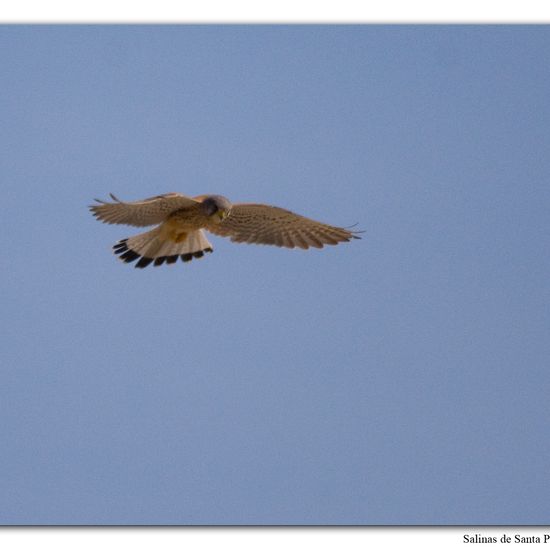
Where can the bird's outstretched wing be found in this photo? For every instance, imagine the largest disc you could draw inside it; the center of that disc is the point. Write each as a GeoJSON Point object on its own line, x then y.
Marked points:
{"type": "Point", "coordinates": [263, 224]}
{"type": "Point", "coordinates": [149, 211]}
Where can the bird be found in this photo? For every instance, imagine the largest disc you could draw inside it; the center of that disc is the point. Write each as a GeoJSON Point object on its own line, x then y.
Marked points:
{"type": "Point", "coordinates": [181, 221]}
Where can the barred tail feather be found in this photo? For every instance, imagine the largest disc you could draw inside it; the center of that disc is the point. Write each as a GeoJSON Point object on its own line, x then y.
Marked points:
{"type": "Point", "coordinates": [154, 247]}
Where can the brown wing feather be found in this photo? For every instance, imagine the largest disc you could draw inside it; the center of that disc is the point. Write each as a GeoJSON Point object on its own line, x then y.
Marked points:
{"type": "Point", "coordinates": [149, 211]}
{"type": "Point", "coordinates": [262, 224]}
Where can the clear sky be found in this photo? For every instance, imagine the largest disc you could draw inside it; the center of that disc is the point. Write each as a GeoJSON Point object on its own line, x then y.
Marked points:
{"type": "Point", "coordinates": [400, 379]}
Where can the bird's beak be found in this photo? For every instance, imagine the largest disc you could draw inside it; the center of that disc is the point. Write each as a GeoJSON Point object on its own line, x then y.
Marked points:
{"type": "Point", "coordinates": [222, 214]}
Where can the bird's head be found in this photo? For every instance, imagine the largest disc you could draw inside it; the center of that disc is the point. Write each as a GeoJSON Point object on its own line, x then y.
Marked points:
{"type": "Point", "coordinates": [216, 207]}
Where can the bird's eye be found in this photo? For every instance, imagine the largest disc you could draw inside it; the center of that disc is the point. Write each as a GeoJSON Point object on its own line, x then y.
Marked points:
{"type": "Point", "coordinates": [210, 206]}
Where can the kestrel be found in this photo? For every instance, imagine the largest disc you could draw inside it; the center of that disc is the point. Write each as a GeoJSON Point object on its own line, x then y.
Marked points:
{"type": "Point", "coordinates": [180, 222]}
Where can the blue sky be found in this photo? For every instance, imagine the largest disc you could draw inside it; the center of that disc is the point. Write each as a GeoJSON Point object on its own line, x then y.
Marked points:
{"type": "Point", "coordinates": [400, 379]}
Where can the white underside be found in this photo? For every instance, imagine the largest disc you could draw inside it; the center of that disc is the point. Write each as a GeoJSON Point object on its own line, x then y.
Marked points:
{"type": "Point", "coordinates": [151, 245]}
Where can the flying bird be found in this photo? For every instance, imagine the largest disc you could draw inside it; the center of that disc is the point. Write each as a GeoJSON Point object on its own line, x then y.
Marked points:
{"type": "Point", "coordinates": [180, 223]}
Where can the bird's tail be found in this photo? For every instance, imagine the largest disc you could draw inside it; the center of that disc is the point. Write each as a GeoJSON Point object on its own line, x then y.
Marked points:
{"type": "Point", "coordinates": [158, 247]}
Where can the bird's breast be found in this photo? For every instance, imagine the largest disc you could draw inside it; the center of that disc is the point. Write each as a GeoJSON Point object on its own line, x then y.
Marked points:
{"type": "Point", "coordinates": [182, 222]}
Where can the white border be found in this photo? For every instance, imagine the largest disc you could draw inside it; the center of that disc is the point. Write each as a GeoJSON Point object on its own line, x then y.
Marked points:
{"type": "Point", "coordinates": [264, 538]}
{"type": "Point", "coordinates": [272, 11]}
